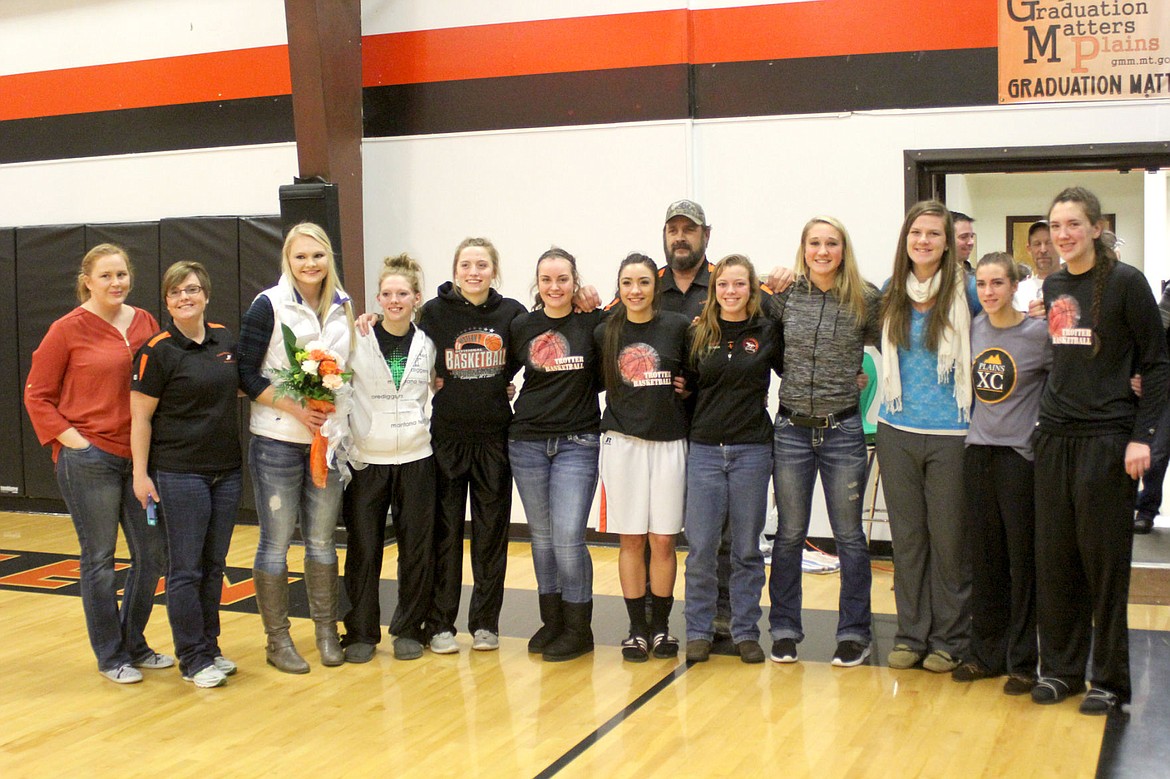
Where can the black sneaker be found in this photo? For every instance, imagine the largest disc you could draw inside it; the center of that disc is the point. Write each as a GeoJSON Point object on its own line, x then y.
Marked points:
{"type": "Point", "coordinates": [1019, 684]}
{"type": "Point", "coordinates": [784, 650]}
{"type": "Point", "coordinates": [848, 654]}
{"type": "Point", "coordinates": [1143, 523]}
{"type": "Point", "coordinates": [1098, 701]}
{"type": "Point", "coordinates": [636, 649]}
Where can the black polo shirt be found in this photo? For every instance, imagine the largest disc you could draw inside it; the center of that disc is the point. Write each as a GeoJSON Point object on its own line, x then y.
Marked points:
{"type": "Point", "coordinates": [196, 427]}
{"type": "Point", "coordinates": [690, 303]}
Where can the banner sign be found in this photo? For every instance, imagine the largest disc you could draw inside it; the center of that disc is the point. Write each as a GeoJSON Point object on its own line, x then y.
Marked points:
{"type": "Point", "coordinates": [1071, 50]}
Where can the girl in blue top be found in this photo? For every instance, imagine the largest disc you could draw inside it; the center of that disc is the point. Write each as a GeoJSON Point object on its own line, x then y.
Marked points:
{"type": "Point", "coordinates": [926, 384]}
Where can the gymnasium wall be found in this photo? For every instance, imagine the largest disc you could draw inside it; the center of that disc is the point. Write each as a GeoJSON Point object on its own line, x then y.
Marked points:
{"type": "Point", "coordinates": [521, 119]}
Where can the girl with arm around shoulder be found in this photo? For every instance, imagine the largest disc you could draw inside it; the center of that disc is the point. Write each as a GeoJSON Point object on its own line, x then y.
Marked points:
{"type": "Point", "coordinates": [926, 389]}
{"type": "Point", "coordinates": [1092, 446]}
{"type": "Point", "coordinates": [644, 450]}
{"type": "Point", "coordinates": [734, 348]}
{"type": "Point", "coordinates": [393, 366]}
{"type": "Point", "coordinates": [470, 322]}
{"type": "Point", "coordinates": [552, 446]}
{"type": "Point", "coordinates": [186, 444]}
{"type": "Point", "coordinates": [309, 301]}
{"type": "Point", "coordinates": [77, 397]}
{"type": "Point", "coordinates": [827, 317]}
{"type": "Point", "coordinates": [1011, 358]}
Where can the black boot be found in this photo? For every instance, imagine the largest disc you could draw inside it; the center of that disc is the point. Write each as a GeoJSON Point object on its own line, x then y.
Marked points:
{"type": "Point", "coordinates": [577, 637]}
{"type": "Point", "coordinates": [552, 615]}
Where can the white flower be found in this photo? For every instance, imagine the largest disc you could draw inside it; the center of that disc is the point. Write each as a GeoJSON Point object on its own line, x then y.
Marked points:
{"type": "Point", "coordinates": [316, 343]}
{"type": "Point", "coordinates": [332, 381]}
{"type": "Point", "coordinates": [310, 367]}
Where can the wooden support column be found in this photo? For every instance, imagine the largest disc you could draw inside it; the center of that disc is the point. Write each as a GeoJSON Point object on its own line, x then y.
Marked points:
{"type": "Point", "coordinates": [325, 61]}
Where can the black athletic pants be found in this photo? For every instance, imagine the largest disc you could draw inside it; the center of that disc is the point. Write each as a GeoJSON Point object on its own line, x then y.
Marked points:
{"type": "Point", "coordinates": [1084, 538]}
{"type": "Point", "coordinates": [482, 469]}
{"type": "Point", "coordinates": [1001, 542]}
{"type": "Point", "coordinates": [408, 491]}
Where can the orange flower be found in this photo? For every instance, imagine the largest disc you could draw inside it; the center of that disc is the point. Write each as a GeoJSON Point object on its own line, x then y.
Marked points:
{"type": "Point", "coordinates": [328, 367]}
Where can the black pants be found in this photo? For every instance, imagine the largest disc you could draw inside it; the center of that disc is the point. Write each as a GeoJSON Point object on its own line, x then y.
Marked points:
{"type": "Point", "coordinates": [1084, 538]}
{"type": "Point", "coordinates": [408, 491]}
{"type": "Point", "coordinates": [1149, 500]}
{"type": "Point", "coordinates": [1001, 542]}
{"type": "Point", "coordinates": [482, 469]}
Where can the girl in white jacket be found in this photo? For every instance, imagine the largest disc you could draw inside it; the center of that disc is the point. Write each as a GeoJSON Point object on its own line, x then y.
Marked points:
{"type": "Point", "coordinates": [393, 367]}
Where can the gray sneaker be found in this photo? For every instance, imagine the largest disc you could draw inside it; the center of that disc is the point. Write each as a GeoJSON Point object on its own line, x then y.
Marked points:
{"type": "Point", "coordinates": [208, 677]}
{"type": "Point", "coordinates": [485, 640]}
{"type": "Point", "coordinates": [123, 674]}
{"type": "Point", "coordinates": [361, 652]}
{"type": "Point", "coordinates": [155, 661]}
{"type": "Point", "coordinates": [444, 643]}
{"type": "Point", "coordinates": [225, 666]}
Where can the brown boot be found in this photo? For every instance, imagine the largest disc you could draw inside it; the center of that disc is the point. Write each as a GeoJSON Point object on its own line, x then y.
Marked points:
{"type": "Point", "coordinates": [272, 600]}
{"type": "Point", "coordinates": [321, 582]}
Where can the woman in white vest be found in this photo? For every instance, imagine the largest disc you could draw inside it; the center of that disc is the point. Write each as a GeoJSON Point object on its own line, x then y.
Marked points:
{"type": "Point", "coordinates": [393, 366]}
{"type": "Point", "coordinates": [309, 300]}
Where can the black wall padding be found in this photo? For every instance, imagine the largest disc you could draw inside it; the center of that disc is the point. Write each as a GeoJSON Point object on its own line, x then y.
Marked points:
{"type": "Point", "coordinates": [47, 261]}
{"type": "Point", "coordinates": [213, 241]}
{"type": "Point", "coordinates": [260, 242]}
{"type": "Point", "coordinates": [11, 408]}
{"type": "Point", "coordinates": [140, 240]}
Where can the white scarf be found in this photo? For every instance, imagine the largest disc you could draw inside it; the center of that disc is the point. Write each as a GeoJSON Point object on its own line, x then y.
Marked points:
{"type": "Point", "coordinates": [954, 348]}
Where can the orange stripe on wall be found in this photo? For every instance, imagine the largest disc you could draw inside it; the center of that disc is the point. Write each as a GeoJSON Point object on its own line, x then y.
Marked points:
{"type": "Point", "coordinates": [524, 48]}
{"type": "Point", "coordinates": [828, 28]}
{"type": "Point", "coordinates": [196, 78]}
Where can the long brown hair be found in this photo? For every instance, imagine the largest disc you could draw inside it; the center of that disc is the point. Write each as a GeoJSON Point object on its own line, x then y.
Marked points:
{"type": "Point", "coordinates": [896, 303]}
{"type": "Point", "coordinates": [1105, 258]}
{"type": "Point", "coordinates": [616, 324]}
{"type": "Point", "coordinates": [848, 286]}
{"type": "Point", "coordinates": [554, 253]}
{"type": "Point", "coordinates": [705, 331]}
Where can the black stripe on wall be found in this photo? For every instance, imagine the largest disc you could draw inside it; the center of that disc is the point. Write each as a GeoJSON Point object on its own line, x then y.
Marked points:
{"type": "Point", "coordinates": [922, 79]}
{"type": "Point", "coordinates": [931, 79]}
{"type": "Point", "coordinates": [141, 130]}
{"type": "Point", "coordinates": [546, 100]}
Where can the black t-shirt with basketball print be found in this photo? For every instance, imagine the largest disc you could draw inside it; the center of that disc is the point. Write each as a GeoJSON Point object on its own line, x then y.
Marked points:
{"type": "Point", "coordinates": [561, 378]}
{"type": "Point", "coordinates": [732, 385]}
{"type": "Point", "coordinates": [195, 428]}
{"type": "Point", "coordinates": [472, 362]}
{"type": "Point", "coordinates": [650, 355]}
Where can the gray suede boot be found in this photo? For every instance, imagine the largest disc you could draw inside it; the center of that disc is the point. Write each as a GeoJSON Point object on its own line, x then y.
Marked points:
{"type": "Point", "coordinates": [321, 582]}
{"type": "Point", "coordinates": [272, 600]}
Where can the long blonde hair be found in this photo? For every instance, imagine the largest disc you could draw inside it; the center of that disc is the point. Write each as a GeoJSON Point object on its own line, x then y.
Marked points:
{"type": "Point", "coordinates": [705, 331]}
{"type": "Point", "coordinates": [331, 286]}
{"type": "Point", "coordinates": [848, 286]}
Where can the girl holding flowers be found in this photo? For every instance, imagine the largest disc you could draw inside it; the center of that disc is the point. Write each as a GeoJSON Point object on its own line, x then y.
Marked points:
{"type": "Point", "coordinates": [307, 306]}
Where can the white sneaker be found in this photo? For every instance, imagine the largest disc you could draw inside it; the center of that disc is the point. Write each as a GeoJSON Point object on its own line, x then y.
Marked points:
{"type": "Point", "coordinates": [444, 643]}
{"type": "Point", "coordinates": [225, 666]}
{"type": "Point", "coordinates": [485, 640]}
{"type": "Point", "coordinates": [155, 661]}
{"type": "Point", "coordinates": [208, 677]}
{"type": "Point", "coordinates": [123, 674]}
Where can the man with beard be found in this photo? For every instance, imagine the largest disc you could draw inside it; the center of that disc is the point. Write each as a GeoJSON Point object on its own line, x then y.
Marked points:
{"type": "Point", "coordinates": [687, 273]}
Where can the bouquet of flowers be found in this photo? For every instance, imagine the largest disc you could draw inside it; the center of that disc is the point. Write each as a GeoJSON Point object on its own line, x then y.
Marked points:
{"type": "Point", "coordinates": [314, 376]}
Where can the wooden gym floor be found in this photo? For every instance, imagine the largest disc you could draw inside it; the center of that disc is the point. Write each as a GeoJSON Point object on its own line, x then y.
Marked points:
{"type": "Point", "coordinates": [508, 714]}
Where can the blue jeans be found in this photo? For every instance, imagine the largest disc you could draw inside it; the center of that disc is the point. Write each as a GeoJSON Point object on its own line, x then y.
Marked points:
{"type": "Point", "coordinates": [728, 481]}
{"type": "Point", "coordinates": [98, 488]}
{"type": "Point", "coordinates": [839, 455]}
{"type": "Point", "coordinates": [556, 479]}
{"type": "Point", "coordinates": [198, 512]}
{"type": "Point", "coordinates": [286, 495]}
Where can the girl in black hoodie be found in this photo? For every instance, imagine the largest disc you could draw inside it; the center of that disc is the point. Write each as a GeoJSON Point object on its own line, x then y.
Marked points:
{"type": "Point", "coordinates": [469, 323]}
